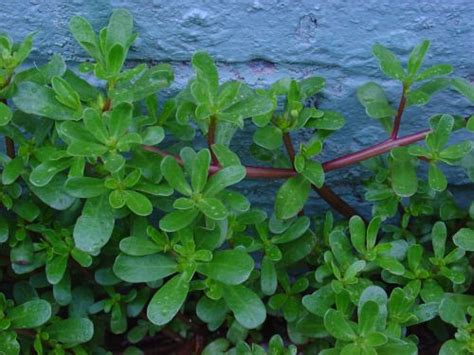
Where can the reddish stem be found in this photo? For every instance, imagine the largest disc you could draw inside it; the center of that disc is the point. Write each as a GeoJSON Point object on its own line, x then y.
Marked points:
{"type": "Point", "coordinates": [325, 191]}
{"type": "Point", "coordinates": [338, 163]}
{"type": "Point", "coordinates": [211, 138]}
{"type": "Point", "coordinates": [373, 151]}
{"type": "Point", "coordinates": [9, 144]}
{"type": "Point", "coordinates": [291, 154]}
{"type": "Point", "coordinates": [398, 117]}
{"type": "Point", "coordinates": [289, 147]}
{"type": "Point", "coordinates": [253, 172]}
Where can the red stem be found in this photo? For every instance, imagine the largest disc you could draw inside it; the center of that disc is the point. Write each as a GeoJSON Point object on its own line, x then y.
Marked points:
{"type": "Point", "coordinates": [338, 163]}
{"type": "Point", "coordinates": [325, 191]}
{"type": "Point", "coordinates": [211, 138]}
{"type": "Point", "coordinates": [9, 144]}
{"type": "Point", "coordinates": [373, 151]}
{"type": "Point", "coordinates": [291, 154]}
{"type": "Point", "coordinates": [289, 147]}
{"type": "Point", "coordinates": [398, 117]}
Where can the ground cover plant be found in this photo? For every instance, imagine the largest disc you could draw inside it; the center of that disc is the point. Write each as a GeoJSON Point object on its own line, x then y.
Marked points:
{"type": "Point", "coordinates": [120, 233]}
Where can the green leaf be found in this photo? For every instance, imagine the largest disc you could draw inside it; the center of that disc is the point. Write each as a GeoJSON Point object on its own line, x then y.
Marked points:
{"type": "Point", "coordinates": [357, 231]}
{"type": "Point", "coordinates": [5, 114]}
{"type": "Point", "coordinates": [43, 173]}
{"type": "Point", "coordinates": [291, 197]}
{"type": "Point", "coordinates": [120, 119]}
{"type": "Point", "coordinates": [30, 314]}
{"type": "Point", "coordinates": [372, 97]}
{"type": "Point", "coordinates": [138, 203]}
{"type": "Point", "coordinates": [85, 187]}
{"type": "Point", "coordinates": [456, 151]}
{"type": "Point", "coordinates": [95, 125]}
{"type": "Point", "coordinates": [470, 124]}
{"type": "Point", "coordinates": [119, 29]}
{"type": "Point", "coordinates": [337, 325]}
{"type": "Point", "coordinates": [416, 57]}
{"type": "Point", "coordinates": [178, 219]}
{"type": "Point", "coordinates": [153, 135]}
{"type": "Point", "coordinates": [231, 267]}
{"type": "Point", "coordinates": [225, 156]}
{"type": "Point", "coordinates": [250, 107]}
{"type": "Point", "coordinates": [368, 316]}
{"type": "Point", "coordinates": [95, 225]}
{"type": "Point", "coordinates": [225, 177]}
{"type": "Point", "coordinates": [10, 343]}
{"type": "Point", "coordinates": [314, 173]}
{"type": "Point", "coordinates": [389, 64]}
{"type": "Point", "coordinates": [452, 313]}
{"type": "Point", "coordinates": [12, 170]}
{"type": "Point", "coordinates": [268, 137]}
{"type": "Point", "coordinates": [268, 277]}
{"type": "Point", "coordinates": [40, 100]}
{"type": "Point", "coordinates": [435, 70]}
{"type": "Point", "coordinates": [54, 194]}
{"type": "Point", "coordinates": [65, 94]}
{"type": "Point", "coordinates": [211, 311]}
{"type": "Point", "coordinates": [247, 307]}
{"type": "Point", "coordinates": [310, 86]}
{"type": "Point", "coordinates": [438, 138]}
{"type": "Point", "coordinates": [168, 300]}
{"type": "Point", "coordinates": [330, 120]}
{"type": "Point", "coordinates": [84, 34]}
{"type": "Point", "coordinates": [404, 180]}
{"type": "Point", "coordinates": [390, 264]}
{"type": "Point", "coordinates": [436, 178]}
{"type": "Point", "coordinates": [212, 208]}
{"type": "Point", "coordinates": [146, 268]}
{"type": "Point", "coordinates": [24, 49]}
{"type": "Point", "coordinates": [206, 73]}
{"type": "Point", "coordinates": [115, 59]}
{"type": "Point", "coordinates": [295, 231]}
{"type": "Point", "coordinates": [71, 330]}
{"type": "Point", "coordinates": [422, 95]}
{"type": "Point", "coordinates": [144, 84]}
{"type": "Point", "coordinates": [319, 301]}
{"type": "Point", "coordinates": [414, 255]}
{"type": "Point", "coordinates": [175, 176]}
{"type": "Point", "coordinates": [200, 170]}
{"type": "Point", "coordinates": [464, 238]}
{"type": "Point", "coordinates": [464, 87]}
{"type": "Point", "coordinates": [137, 246]}
{"type": "Point", "coordinates": [453, 346]}
{"type": "Point", "coordinates": [55, 268]}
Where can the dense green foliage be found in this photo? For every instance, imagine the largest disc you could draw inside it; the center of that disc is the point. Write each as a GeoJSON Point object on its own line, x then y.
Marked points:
{"type": "Point", "coordinates": [109, 243]}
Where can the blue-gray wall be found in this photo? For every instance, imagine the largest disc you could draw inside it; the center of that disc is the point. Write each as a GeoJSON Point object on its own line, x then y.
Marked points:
{"type": "Point", "coordinates": [261, 41]}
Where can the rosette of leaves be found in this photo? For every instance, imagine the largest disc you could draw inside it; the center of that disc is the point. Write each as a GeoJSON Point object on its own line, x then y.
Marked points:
{"type": "Point", "coordinates": [224, 271]}
{"type": "Point", "coordinates": [35, 316]}
{"type": "Point", "coordinates": [369, 334]}
{"type": "Point", "coordinates": [436, 151]}
{"type": "Point", "coordinates": [209, 102]}
{"type": "Point", "coordinates": [457, 316]}
{"type": "Point", "coordinates": [199, 197]}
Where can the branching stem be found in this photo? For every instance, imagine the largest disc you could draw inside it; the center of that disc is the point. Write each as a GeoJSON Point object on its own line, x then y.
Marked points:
{"type": "Point", "coordinates": [326, 193]}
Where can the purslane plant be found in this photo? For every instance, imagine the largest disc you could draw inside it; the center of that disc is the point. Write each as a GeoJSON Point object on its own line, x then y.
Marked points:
{"type": "Point", "coordinates": [120, 233]}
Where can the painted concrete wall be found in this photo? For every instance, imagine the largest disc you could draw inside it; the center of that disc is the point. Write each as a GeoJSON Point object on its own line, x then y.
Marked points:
{"type": "Point", "coordinates": [260, 41]}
